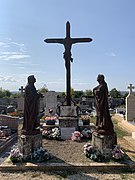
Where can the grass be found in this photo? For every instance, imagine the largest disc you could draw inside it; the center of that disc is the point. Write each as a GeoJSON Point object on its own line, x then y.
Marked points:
{"type": "Point", "coordinates": [119, 131]}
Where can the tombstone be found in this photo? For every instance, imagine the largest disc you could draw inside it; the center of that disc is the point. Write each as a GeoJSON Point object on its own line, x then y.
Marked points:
{"type": "Point", "coordinates": [130, 104]}
{"type": "Point", "coordinates": [50, 100]}
{"type": "Point", "coordinates": [67, 118]}
{"type": "Point", "coordinates": [20, 104]}
{"type": "Point", "coordinates": [20, 101]}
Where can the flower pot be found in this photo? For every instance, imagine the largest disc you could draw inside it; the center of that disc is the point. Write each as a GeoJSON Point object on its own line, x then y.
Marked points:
{"type": "Point", "coordinates": [50, 122]}
{"type": "Point", "coordinates": [86, 122]}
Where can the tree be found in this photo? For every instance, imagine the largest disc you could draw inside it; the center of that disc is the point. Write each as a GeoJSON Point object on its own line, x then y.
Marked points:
{"type": "Point", "coordinates": [43, 90]}
{"type": "Point", "coordinates": [78, 94]}
{"type": "Point", "coordinates": [115, 93]}
{"type": "Point", "coordinates": [4, 93]}
{"type": "Point", "coordinates": [88, 92]}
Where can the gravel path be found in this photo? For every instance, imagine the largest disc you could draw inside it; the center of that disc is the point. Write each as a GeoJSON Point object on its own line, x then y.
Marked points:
{"type": "Point", "coordinates": [57, 176]}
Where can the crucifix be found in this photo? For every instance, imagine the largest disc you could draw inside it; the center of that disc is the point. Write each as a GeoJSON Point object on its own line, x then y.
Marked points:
{"type": "Point", "coordinates": [22, 90]}
{"type": "Point", "coordinates": [130, 87]}
{"type": "Point", "coordinates": [67, 42]}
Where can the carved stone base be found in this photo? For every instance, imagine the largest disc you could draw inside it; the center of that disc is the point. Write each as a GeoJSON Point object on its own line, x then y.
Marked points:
{"type": "Point", "coordinates": [68, 122]}
{"type": "Point", "coordinates": [28, 143]}
{"type": "Point", "coordinates": [68, 125]}
{"type": "Point", "coordinates": [104, 143]}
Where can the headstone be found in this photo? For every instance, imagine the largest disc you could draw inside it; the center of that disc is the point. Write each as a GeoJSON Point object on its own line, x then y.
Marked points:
{"type": "Point", "coordinates": [20, 101]}
{"type": "Point", "coordinates": [68, 121]}
{"type": "Point", "coordinates": [20, 104]}
{"type": "Point", "coordinates": [22, 91]}
{"type": "Point", "coordinates": [68, 111]}
{"type": "Point", "coordinates": [50, 101]}
{"type": "Point", "coordinates": [130, 105]}
{"type": "Point", "coordinates": [66, 132]}
{"type": "Point", "coordinates": [11, 122]}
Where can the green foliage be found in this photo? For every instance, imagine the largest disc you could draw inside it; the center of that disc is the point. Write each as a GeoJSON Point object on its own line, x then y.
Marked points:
{"type": "Point", "coordinates": [78, 94]}
{"type": "Point", "coordinates": [119, 131]}
{"type": "Point", "coordinates": [115, 93]}
{"type": "Point", "coordinates": [43, 90]}
{"type": "Point", "coordinates": [4, 93]}
{"type": "Point", "coordinates": [15, 95]}
{"type": "Point", "coordinates": [88, 92]}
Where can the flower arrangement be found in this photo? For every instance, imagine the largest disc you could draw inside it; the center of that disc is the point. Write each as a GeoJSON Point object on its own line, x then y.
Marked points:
{"type": "Point", "coordinates": [47, 134]}
{"type": "Point", "coordinates": [15, 155]}
{"type": "Point", "coordinates": [50, 120]}
{"type": "Point", "coordinates": [85, 119]}
{"type": "Point", "coordinates": [76, 136]}
{"type": "Point", "coordinates": [40, 155]}
{"type": "Point", "coordinates": [86, 133]}
{"type": "Point", "coordinates": [16, 114]}
{"type": "Point", "coordinates": [94, 154]}
{"type": "Point", "coordinates": [52, 134]}
{"type": "Point", "coordinates": [117, 153]}
{"type": "Point", "coordinates": [56, 133]}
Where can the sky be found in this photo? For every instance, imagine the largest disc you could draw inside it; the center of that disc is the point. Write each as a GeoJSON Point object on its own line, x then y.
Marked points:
{"type": "Point", "coordinates": [24, 25]}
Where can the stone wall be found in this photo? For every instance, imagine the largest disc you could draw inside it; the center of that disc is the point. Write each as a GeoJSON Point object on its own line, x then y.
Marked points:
{"type": "Point", "coordinates": [11, 122]}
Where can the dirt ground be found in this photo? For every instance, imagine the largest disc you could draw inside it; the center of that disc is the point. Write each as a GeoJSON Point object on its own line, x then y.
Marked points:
{"type": "Point", "coordinates": [72, 152]}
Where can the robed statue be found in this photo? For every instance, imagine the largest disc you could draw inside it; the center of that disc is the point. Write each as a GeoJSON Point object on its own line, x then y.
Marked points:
{"type": "Point", "coordinates": [31, 108]}
{"type": "Point", "coordinates": [104, 123]}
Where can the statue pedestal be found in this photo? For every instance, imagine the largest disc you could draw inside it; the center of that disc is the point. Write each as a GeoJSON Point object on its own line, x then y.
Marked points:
{"type": "Point", "coordinates": [68, 125]}
{"type": "Point", "coordinates": [104, 143]}
{"type": "Point", "coordinates": [28, 143]}
{"type": "Point", "coordinates": [68, 121]}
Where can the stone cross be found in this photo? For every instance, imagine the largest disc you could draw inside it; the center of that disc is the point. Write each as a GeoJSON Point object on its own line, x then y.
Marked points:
{"type": "Point", "coordinates": [22, 90]}
{"type": "Point", "coordinates": [67, 42]}
{"type": "Point", "coordinates": [130, 87]}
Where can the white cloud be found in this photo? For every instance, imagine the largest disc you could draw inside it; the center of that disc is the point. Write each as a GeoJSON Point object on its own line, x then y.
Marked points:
{"type": "Point", "coordinates": [6, 52]}
{"type": "Point", "coordinates": [16, 56]}
{"type": "Point", "coordinates": [7, 79]}
{"type": "Point", "coordinates": [110, 54]}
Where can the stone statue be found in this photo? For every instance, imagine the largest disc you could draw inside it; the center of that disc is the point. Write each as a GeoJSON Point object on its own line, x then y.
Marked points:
{"type": "Point", "coordinates": [104, 123]}
{"type": "Point", "coordinates": [31, 107]}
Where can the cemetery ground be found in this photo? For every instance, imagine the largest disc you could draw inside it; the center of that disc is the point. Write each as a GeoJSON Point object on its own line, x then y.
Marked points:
{"type": "Point", "coordinates": [71, 152]}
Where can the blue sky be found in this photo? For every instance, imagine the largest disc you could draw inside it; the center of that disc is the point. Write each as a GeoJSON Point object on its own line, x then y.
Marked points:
{"type": "Point", "coordinates": [25, 24]}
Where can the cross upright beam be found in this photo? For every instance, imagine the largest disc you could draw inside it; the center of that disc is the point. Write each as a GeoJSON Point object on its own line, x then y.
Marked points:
{"type": "Point", "coordinates": [67, 42]}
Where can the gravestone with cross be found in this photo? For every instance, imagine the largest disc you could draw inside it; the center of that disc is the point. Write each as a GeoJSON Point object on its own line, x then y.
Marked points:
{"type": "Point", "coordinates": [130, 104]}
{"type": "Point", "coordinates": [20, 100]}
{"type": "Point", "coordinates": [68, 116]}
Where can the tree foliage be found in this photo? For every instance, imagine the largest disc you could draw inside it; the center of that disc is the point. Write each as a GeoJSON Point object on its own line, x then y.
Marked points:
{"type": "Point", "coordinates": [115, 93]}
{"type": "Point", "coordinates": [4, 93]}
{"type": "Point", "coordinates": [43, 90]}
{"type": "Point", "coordinates": [88, 92]}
